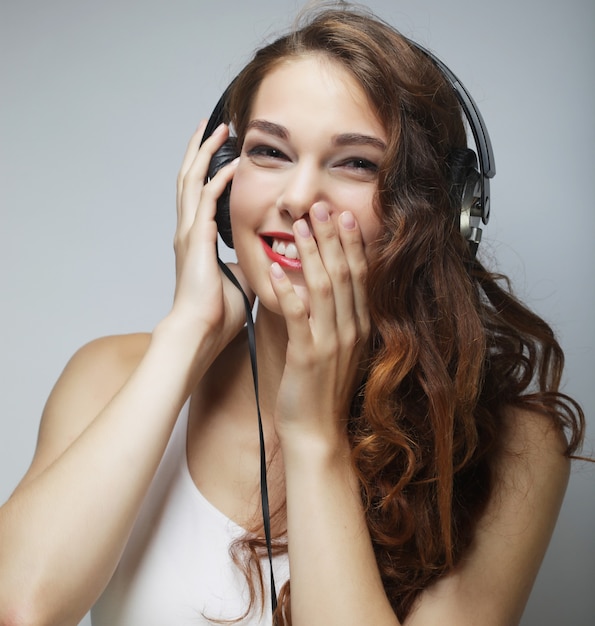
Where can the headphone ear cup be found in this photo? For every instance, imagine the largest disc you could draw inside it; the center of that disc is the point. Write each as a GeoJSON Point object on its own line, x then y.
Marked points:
{"type": "Point", "coordinates": [226, 154]}
{"type": "Point", "coordinates": [466, 193]}
{"type": "Point", "coordinates": [470, 220]}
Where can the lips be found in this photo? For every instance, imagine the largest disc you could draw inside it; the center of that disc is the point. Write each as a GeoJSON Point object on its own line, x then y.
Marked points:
{"type": "Point", "coordinates": [280, 247]}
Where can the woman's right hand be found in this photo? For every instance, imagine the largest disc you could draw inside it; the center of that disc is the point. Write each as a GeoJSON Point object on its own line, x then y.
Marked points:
{"type": "Point", "coordinates": [204, 296]}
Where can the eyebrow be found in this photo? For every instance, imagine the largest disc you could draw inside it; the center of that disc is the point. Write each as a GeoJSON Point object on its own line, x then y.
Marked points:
{"type": "Point", "coordinates": [357, 139]}
{"type": "Point", "coordinates": [344, 139]}
{"type": "Point", "coordinates": [269, 127]}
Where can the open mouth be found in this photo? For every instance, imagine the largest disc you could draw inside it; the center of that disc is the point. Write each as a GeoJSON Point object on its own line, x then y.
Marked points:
{"type": "Point", "coordinates": [288, 249]}
{"type": "Point", "coordinates": [282, 249]}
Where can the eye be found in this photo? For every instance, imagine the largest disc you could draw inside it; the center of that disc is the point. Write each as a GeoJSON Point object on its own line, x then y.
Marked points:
{"type": "Point", "coordinates": [361, 164]}
{"type": "Point", "coordinates": [264, 152]}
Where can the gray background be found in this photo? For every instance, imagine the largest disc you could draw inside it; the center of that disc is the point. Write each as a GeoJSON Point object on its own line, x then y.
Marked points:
{"type": "Point", "coordinates": [98, 100]}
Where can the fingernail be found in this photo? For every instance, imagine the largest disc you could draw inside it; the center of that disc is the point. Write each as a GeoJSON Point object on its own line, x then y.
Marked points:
{"type": "Point", "coordinates": [219, 129]}
{"type": "Point", "coordinates": [276, 271]}
{"type": "Point", "coordinates": [320, 212]}
{"type": "Point", "coordinates": [347, 220]}
{"type": "Point", "coordinates": [302, 228]}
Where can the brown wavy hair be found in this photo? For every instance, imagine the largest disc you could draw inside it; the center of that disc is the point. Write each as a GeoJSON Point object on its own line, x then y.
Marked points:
{"type": "Point", "coordinates": [452, 348]}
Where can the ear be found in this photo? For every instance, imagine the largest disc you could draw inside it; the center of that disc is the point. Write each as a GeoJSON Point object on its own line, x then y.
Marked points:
{"type": "Point", "coordinates": [226, 154]}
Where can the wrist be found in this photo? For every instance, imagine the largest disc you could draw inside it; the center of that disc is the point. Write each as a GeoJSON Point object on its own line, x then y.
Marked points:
{"type": "Point", "coordinates": [185, 345]}
{"type": "Point", "coordinates": [178, 328]}
{"type": "Point", "coordinates": [307, 448]}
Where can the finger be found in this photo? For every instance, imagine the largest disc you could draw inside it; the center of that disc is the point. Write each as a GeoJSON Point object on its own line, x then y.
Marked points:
{"type": "Point", "coordinates": [338, 320]}
{"type": "Point", "coordinates": [337, 267]}
{"type": "Point", "coordinates": [292, 308]}
{"type": "Point", "coordinates": [191, 183]}
{"type": "Point", "coordinates": [193, 146]}
{"type": "Point", "coordinates": [189, 156]}
{"type": "Point", "coordinates": [318, 282]}
{"type": "Point", "coordinates": [204, 216]}
{"type": "Point", "coordinates": [201, 235]}
{"type": "Point", "coordinates": [355, 255]}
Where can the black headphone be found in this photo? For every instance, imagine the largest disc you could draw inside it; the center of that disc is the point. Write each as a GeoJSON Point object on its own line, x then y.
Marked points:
{"type": "Point", "coordinates": [472, 185]}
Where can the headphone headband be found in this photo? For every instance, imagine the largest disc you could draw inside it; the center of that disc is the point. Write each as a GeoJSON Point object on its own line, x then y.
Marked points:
{"type": "Point", "coordinates": [475, 196]}
{"type": "Point", "coordinates": [485, 153]}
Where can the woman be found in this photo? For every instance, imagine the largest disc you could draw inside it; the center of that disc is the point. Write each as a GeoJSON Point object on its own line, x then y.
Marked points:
{"type": "Point", "coordinates": [417, 460]}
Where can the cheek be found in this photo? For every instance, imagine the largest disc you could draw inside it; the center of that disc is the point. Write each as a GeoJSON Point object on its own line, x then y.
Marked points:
{"type": "Point", "coordinates": [371, 228]}
{"type": "Point", "coordinates": [238, 191]}
{"type": "Point", "coordinates": [362, 207]}
{"type": "Point", "coordinates": [239, 201]}
{"type": "Point", "coordinates": [250, 194]}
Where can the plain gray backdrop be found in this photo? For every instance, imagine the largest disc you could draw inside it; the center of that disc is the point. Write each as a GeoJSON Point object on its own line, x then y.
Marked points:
{"type": "Point", "coordinates": [98, 100]}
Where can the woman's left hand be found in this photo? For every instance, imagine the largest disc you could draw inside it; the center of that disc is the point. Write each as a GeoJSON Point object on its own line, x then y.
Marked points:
{"type": "Point", "coordinates": [328, 334]}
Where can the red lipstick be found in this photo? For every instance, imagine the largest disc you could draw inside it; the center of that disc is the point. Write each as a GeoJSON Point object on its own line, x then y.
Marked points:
{"type": "Point", "coordinates": [284, 262]}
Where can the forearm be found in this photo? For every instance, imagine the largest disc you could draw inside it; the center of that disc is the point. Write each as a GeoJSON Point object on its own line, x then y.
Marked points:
{"type": "Point", "coordinates": [334, 575]}
{"type": "Point", "coordinates": [61, 533]}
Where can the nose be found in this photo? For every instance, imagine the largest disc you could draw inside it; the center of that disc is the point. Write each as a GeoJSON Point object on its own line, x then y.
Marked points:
{"type": "Point", "coordinates": [302, 187]}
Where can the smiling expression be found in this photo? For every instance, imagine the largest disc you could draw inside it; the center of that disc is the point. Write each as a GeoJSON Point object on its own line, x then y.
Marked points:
{"type": "Point", "coordinates": [312, 137]}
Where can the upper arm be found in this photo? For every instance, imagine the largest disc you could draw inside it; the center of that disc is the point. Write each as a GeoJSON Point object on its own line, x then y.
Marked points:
{"type": "Point", "coordinates": [91, 378]}
{"type": "Point", "coordinates": [492, 583]}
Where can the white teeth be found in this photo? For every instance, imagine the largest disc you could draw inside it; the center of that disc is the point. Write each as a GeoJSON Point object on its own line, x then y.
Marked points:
{"type": "Point", "coordinates": [291, 251]}
{"type": "Point", "coordinates": [288, 249]}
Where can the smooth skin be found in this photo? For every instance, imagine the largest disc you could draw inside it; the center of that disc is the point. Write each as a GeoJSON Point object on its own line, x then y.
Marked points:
{"type": "Point", "coordinates": [108, 419]}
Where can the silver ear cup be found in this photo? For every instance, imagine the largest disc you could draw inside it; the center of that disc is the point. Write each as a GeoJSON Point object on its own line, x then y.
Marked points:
{"type": "Point", "coordinates": [471, 209]}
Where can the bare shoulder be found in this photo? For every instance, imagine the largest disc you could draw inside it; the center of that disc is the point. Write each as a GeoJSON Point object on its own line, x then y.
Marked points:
{"type": "Point", "coordinates": [532, 457]}
{"type": "Point", "coordinates": [492, 583]}
{"type": "Point", "coordinates": [93, 375]}
{"type": "Point", "coordinates": [531, 475]}
{"type": "Point", "coordinates": [102, 365]}
{"type": "Point", "coordinates": [527, 432]}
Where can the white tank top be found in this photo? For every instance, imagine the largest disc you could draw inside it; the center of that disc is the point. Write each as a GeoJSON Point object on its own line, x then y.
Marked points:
{"type": "Point", "coordinates": [176, 569]}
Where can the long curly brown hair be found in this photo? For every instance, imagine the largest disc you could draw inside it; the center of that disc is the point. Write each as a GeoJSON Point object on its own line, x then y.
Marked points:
{"type": "Point", "coordinates": [452, 348]}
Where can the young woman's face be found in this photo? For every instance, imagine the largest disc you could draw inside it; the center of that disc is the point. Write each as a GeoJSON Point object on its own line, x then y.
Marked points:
{"type": "Point", "coordinates": [312, 137]}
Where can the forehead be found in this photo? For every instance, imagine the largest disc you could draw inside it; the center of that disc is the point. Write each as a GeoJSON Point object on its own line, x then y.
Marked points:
{"type": "Point", "coordinates": [315, 90]}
